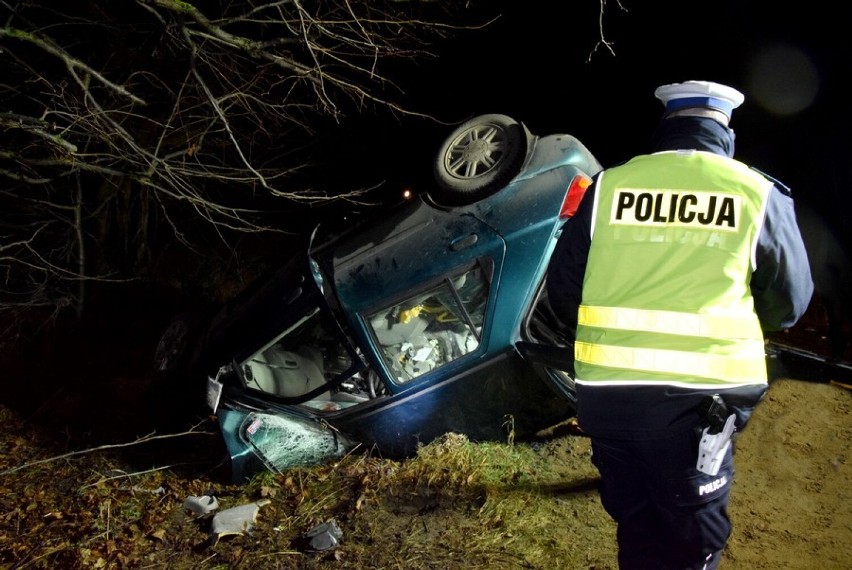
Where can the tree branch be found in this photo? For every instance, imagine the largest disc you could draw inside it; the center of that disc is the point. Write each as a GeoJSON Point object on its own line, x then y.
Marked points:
{"type": "Point", "coordinates": [145, 439]}
{"type": "Point", "coordinates": [72, 63]}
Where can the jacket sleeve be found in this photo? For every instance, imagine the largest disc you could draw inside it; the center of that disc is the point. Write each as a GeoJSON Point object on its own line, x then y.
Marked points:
{"type": "Point", "coordinates": [568, 263]}
{"type": "Point", "coordinates": [781, 283]}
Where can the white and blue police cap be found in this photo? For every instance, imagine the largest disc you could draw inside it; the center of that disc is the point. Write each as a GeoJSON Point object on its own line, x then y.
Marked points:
{"type": "Point", "coordinates": [699, 98]}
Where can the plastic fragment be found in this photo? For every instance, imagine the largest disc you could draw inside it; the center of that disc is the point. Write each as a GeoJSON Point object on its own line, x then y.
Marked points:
{"type": "Point", "coordinates": [202, 505]}
{"type": "Point", "coordinates": [236, 520]}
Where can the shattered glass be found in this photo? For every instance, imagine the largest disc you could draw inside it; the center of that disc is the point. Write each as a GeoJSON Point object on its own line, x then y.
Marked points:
{"type": "Point", "coordinates": [283, 442]}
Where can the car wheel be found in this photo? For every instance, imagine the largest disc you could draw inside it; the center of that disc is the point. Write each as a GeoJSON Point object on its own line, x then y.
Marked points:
{"type": "Point", "coordinates": [172, 352]}
{"type": "Point", "coordinates": [478, 158]}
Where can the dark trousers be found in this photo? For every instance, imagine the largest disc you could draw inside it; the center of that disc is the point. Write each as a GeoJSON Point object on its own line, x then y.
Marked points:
{"type": "Point", "coordinates": [670, 516]}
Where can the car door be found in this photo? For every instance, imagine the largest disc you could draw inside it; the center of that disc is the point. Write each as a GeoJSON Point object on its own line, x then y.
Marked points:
{"type": "Point", "coordinates": [421, 300]}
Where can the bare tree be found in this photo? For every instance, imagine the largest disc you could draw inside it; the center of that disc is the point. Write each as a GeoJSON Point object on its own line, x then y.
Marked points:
{"type": "Point", "coordinates": [124, 118]}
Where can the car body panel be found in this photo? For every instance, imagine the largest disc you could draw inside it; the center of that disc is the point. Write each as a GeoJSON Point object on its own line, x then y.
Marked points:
{"type": "Point", "coordinates": [487, 402]}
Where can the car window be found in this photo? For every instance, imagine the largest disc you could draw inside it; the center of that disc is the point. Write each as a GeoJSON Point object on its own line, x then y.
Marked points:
{"type": "Point", "coordinates": [302, 358]}
{"type": "Point", "coordinates": [432, 328]}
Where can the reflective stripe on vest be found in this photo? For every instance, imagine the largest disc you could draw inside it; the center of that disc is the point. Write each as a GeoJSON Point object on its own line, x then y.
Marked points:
{"type": "Point", "coordinates": [670, 322]}
{"type": "Point", "coordinates": [747, 366]}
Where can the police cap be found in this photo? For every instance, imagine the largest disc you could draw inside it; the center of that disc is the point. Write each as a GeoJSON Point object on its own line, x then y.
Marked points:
{"type": "Point", "coordinates": [695, 98]}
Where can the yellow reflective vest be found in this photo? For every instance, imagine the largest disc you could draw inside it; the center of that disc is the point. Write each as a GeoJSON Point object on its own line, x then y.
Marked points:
{"type": "Point", "coordinates": [666, 298]}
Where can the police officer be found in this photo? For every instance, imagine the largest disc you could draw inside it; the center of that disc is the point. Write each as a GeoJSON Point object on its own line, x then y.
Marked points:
{"type": "Point", "coordinates": [672, 268]}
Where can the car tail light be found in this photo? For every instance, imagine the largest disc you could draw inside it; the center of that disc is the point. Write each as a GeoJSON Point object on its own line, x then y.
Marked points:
{"type": "Point", "coordinates": [576, 191]}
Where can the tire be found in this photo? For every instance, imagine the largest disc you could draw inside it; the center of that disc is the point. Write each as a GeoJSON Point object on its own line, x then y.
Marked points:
{"type": "Point", "coordinates": [173, 350]}
{"type": "Point", "coordinates": [479, 158]}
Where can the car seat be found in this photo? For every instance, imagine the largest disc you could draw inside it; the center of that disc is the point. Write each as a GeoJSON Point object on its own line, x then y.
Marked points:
{"type": "Point", "coordinates": [287, 373]}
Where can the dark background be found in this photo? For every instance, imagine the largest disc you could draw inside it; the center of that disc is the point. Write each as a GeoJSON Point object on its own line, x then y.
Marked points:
{"type": "Point", "coordinates": [543, 63]}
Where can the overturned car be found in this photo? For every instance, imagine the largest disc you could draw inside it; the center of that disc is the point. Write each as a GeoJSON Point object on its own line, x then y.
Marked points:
{"type": "Point", "coordinates": [433, 320]}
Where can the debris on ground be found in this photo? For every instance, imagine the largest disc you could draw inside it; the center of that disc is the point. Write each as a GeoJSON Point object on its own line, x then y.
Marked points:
{"type": "Point", "coordinates": [236, 520]}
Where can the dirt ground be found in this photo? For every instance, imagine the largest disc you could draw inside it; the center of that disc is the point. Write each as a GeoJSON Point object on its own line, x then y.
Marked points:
{"type": "Point", "coordinates": [792, 497]}
{"type": "Point", "coordinates": [791, 504]}
{"type": "Point", "coordinates": [458, 505]}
